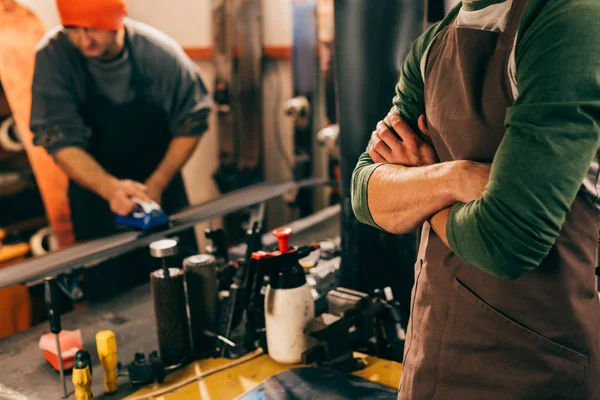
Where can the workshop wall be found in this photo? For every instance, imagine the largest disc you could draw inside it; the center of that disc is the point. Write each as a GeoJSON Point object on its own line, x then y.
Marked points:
{"type": "Point", "coordinates": [186, 21]}
{"type": "Point", "coordinates": [277, 28]}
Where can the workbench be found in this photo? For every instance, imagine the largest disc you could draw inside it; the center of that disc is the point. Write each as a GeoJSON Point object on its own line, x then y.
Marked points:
{"type": "Point", "coordinates": [27, 375]}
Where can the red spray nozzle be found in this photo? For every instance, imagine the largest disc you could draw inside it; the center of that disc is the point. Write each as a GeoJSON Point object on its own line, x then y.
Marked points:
{"type": "Point", "coordinates": [283, 235]}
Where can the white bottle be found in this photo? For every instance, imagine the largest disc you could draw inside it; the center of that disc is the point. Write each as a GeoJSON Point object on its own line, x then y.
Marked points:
{"type": "Point", "coordinates": [289, 305]}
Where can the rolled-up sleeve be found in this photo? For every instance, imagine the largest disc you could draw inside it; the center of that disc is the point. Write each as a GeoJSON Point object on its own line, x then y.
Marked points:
{"type": "Point", "coordinates": [55, 119]}
{"type": "Point", "coordinates": [552, 135]}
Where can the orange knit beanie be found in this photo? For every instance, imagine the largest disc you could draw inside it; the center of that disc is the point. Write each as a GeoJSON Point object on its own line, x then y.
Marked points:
{"type": "Point", "coordinates": [97, 14]}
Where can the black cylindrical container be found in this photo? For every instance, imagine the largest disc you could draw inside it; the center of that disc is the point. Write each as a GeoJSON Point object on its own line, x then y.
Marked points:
{"type": "Point", "coordinates": [370, 37]}
{"type": "Point", "coordinates": [201, 290]}
{"type": "Point", "coordinates": [168, 294]}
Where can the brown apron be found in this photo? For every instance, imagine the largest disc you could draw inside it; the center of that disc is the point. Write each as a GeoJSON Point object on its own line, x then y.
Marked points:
{"type": "Point", "coordinates": [472, 335]}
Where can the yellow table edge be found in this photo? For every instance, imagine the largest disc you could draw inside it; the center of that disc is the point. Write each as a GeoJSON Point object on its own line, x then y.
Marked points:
{"type": "Point", "coordinates": [232, 378]}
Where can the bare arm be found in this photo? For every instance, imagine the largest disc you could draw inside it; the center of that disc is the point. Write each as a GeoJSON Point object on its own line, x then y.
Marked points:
{"type": "Point", "coordinates": [410, 185]}
{"type": "Point", "coordinates": [179, 152]}
{"type": "Point", "coordinates": [401, 198]}
{"type": "Point", "coordinates": [83, 169]}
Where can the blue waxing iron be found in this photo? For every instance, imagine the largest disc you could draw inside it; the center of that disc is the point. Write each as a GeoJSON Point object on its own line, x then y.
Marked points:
{"type": "Point", "coordinates": [146, 215]}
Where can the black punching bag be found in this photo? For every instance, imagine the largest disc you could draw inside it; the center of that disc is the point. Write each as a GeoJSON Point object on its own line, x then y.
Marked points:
{"type": "Point", "coordinates": [371, 36]}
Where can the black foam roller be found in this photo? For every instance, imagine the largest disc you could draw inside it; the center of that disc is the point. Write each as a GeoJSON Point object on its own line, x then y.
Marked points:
{"type": "Point", "coordinates": [168, 294]}
{"type": "Point", "coordinates": [201, 290]}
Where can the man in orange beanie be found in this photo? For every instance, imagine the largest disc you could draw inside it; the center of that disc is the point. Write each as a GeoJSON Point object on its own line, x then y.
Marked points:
{"type": "Point", "coordinates": [121, 108]}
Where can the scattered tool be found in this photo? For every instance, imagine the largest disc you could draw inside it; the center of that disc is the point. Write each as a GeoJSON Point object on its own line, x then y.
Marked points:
{"type": "Point", "coordinates": [356, 321]}
{"type": "Point", "coordinates": [218, 246]}
{"type": "Point", "coordinates": [52, 304]}
{"type": "Point", "coordinates": [226, 269]}
{"type": "Point", "coordinates": [231, 310]}
{"type": "Point", "coordinates": [392, 325]}
{"type": "Point", "coordinates": [242, 308]}
{"type": "Point", "coordinates": [346, 326]}
{"type": "Point", "coordinates": [70, 343]}
{"type": "Point", "coordinates": [106, 344]}
{"type": "Point", "coordinates": [143, 371]}
{"type": "Point", "coordinates": [288, 303]}
{"type": "Point", "coordinates": [82, 376]}
{"type": "Point", "coordinates": [233, 316]}
{"type": "Point", "coordinates": [148, 214]}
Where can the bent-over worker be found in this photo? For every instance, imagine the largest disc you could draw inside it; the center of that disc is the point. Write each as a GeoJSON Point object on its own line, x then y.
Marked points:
{"type": "Point", "coordinates": [505, 304]}
{"type": "Point", "coordinates": [121, 108]}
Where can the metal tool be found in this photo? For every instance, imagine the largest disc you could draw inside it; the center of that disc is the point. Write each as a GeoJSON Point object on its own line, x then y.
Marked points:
{"type": "Point", "coordinates": [163, 249]}
{"type": "Point", "coordinates": [70, 286]}
{"type": "Point", "coordinates": [347, 326]}
{"type": "Point", "coordinates": [106, 343]}
{"type": "Point", "coordinates": [356, 321]}
{"type": "Point", "coordinates": [393, 326]}
{"type": "Point", "coordinates": [218, 246]}
{"type": "Point", "coordinates": [143, 371]}
{"type": "Point", "coordinates": [82, 376]}
{"type": "Point", "coordinates": [52, 304]}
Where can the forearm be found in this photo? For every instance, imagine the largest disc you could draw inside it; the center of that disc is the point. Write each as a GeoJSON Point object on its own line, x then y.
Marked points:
{"type": "Point", "coordinates": [180, 150]}
{"type": "Point", "coordinates": [399, 199]}
{"type": "Point", "coordinates": [83, 169]}
{"type": "Point", "coordinates": [402, 198]}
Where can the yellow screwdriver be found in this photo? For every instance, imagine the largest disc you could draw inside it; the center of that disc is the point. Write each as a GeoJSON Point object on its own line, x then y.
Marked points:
{"type": "Point", "coordinates": [82, 376]}
{"type": "Point", "coordinates": [107, 352]}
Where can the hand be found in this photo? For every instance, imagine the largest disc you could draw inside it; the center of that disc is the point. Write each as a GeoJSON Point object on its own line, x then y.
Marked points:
{"type": "Point", "coordinates": [121, 193]}
{"type": "Point", "coordinates": [471, 180]}
{"type": "Point", "coordinates": [406, 148]}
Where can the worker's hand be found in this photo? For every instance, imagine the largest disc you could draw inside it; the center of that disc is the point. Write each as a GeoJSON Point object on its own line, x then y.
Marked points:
{"type": "Point", "coordinates": [120, 197]}
{"type": "Point", "coordinates": [471, 180]}
{"type": "Point", "coordinates": [407, 148]}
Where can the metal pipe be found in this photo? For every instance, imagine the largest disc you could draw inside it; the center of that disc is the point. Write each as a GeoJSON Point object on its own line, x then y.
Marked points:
{"type": "Point", "coordinates": [368, 35]}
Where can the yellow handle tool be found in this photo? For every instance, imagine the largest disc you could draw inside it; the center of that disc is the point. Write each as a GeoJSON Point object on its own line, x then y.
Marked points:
{"type": "Point", "coordinates": [107, 352]}
{"type": "Point", "coordinates": [82, 376]}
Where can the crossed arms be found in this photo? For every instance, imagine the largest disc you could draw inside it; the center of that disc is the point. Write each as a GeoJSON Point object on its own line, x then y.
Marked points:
{"type": "Point", "coordinates": [552, 134]}
{"type": "Point", "coordinates": [409, 185]}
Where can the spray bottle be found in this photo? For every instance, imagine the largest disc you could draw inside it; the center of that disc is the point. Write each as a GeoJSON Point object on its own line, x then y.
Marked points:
{"type": "Point", "coordinates": [289, 303]}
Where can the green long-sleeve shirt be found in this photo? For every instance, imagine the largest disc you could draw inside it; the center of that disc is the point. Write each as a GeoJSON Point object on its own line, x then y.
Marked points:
{"type": "Point", "coordinates": [550, 148]}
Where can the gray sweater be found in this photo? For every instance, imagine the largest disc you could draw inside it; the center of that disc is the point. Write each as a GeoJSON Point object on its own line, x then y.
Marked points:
{"type": "Point", "coordinates": [59, 85]}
